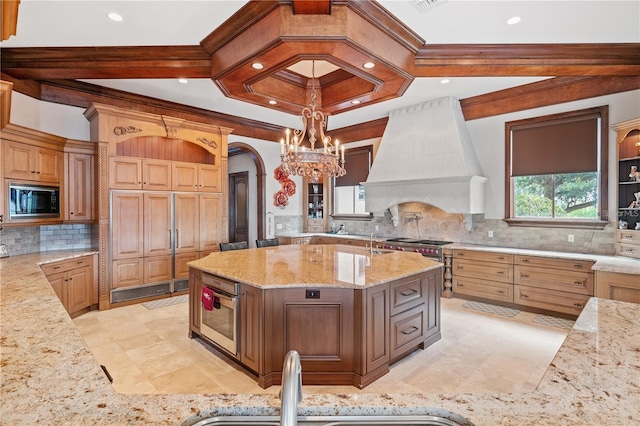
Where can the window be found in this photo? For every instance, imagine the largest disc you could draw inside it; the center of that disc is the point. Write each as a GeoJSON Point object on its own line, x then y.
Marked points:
{"type": "Point", "coordinates": [556, 168]}
{"type": "Point", "coordinates": [348, 194]}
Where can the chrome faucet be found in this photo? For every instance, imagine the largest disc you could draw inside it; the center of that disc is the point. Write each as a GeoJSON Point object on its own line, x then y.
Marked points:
{"type": "Point", "coordinates": [371, 242]}
{"type": "Point", "coordinates": [291, 391]}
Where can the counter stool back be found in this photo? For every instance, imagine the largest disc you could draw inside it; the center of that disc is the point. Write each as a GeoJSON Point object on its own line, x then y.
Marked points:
{"type": "Point", "coordinates": [269, 242]}
{"type": "Point", "coordinates": [233, 246]}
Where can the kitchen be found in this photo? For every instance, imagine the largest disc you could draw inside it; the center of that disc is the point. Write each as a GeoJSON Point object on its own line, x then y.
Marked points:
{"type": "Point", "coordinates": [434, 223]}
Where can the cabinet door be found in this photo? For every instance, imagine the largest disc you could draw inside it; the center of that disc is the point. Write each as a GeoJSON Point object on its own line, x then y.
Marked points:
{"type": "Point", "coordinates": [377, 327]}
{"type": "Point", "coordinates": [18, 161]}
{"type": "Point", "coordinates": [48, 165]}
{"type": "Point", "coordinates": [157, 223]}
{"type": "Point", "coordinates": [157, 269]}
{"type": "Point", "coordinates": [79, 187]}
{"type": "Point", "coordinates": [125, 173]}
{"type": "Point", "coordinates": [184, 176]}
{"type": "Point", "coordinates": [57, 282]}
{"type": "Point", "coordinates": [251, 327]}
{"type": "Point", "coordinates": [180, 267]}
{"type": "Point", "coordinates": [127, 225]}
{"type": "Point", "coordinates": [79, 286]}
{"type": "Point", "coordinates": [209, 178]}
{"type": "Point", "coordinates": [156, 175]}
{"type": "Point", "coordinates": [187, 222]}
{"type": "Point", "coordinates": [127, 272]}
{"type": "Point", "coordinates": [210, 223]}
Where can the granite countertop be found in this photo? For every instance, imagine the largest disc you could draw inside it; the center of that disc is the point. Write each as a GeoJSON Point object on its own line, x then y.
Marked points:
{"type": "Point", "coordinates": [330, 265]}
{"type": "Point", "coordinates": [49, 375]}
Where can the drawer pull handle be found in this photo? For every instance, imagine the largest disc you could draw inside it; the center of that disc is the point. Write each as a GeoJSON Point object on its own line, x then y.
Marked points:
{"type": "Point", "coordinates": [577, 265]}
{"type": "Point", "coordinates": [500, 272]}
{"type": "Point", "coordinates": [460, 268]}
{"type": "Point", "coordinates": [80, 262]}
{"type": "Point", "coordinates": [578, 282]}
{"type": "Point", "coordinates": [524, 296]}
{"type": "Point", "coordinates": [409, 293]}
{"type": "Point", "coordinates": [578, 305]}
{"type": "Point", "coordinates": [460, 285]}
{"type": "Point", "coordinates": [56, 267]}
{"type": "Point", "coordinates": [525, 276]}
{"type": "Point", "coordinates": [460, 254]}
{"type": "Point", "coordinates": [411, 330]}
{"type": "Point", "coordinates": [501, 258]}
{"type": "Point", "coordinates": [500, 291]}
{"type": "Point", "coordinates": [525, 260]}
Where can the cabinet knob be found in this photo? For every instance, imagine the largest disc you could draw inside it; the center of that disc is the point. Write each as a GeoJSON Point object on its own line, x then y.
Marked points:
{"type": "Point", "coordinates": [71, 213]}
{"type": "Point", "coordinates": [578, 282]}
{"type": "Point", "coordinates": [525, 260]}
{"type": "Point", "coordinates": [578, 305]}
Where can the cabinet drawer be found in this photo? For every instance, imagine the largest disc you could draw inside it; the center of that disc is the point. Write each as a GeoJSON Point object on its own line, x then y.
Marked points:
{"type": "Point", "coordinates": [483, 256]}
{"type": "Point", "coordinates": [629, 250]}
{"type": "Point", "coordinates": [407, 293]}
{"type": "Point", "coordinates": [66, 265]}
{"type": "Point", "coordinates": [483, 270]}
{"type": "Point", "coordinates": [547, 262]}
{"type": "Point", "coordinates": [407, 330]}
{"type": "Point", "coordinates": [555, 279]}
{"type": "Point", "coordinates": [552, 300]}
{"type": "Point", "coordinates": [493, 290]}
{"type": "Point", "coordinates": [127, 272]}
{"type": "Point", "coordinates": [628, 236]}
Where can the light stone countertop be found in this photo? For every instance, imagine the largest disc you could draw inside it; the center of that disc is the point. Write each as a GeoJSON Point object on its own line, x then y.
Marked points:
{"type": "Point", "coordinates": [327, 265]}
{"type": "Point", "coordinates": [49, 375]}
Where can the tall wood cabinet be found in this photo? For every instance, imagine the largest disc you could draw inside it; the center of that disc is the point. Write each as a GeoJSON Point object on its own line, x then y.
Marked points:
{"type": "Point", "coordinates": [316, 206]}
{"type": "Point", "coordinates": [628, 148]}
{"type": "Point", "coordinates": [161, 200]}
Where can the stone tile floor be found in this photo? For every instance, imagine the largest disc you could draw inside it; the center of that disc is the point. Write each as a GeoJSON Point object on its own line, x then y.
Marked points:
{"type": "Point", "coordinates": [149, 352]}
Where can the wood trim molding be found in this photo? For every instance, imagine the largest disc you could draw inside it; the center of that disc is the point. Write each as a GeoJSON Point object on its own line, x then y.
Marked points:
{"type": "Point", "coordinates": [6, 88]}
{"type": "Point", "coordinates": [9, 13]}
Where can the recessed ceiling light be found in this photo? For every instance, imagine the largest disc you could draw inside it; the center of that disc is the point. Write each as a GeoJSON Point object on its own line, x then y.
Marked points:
{"type": "Point", "coordinates": [368, 65]}
{"type": "Point", "coordinates": [183, 80]}
{"type": "Point", "coordinates": [355, 102]}
{"type": "Point", "coordinates": [445, 81]}
{"type": "Point", "coordinates": [513, 20]}
{"type": "Point", "coordinates": [257, 66]}
{"type": "Point", "coordinates": [272, 102]}
{"type": "Point", "coordinates": [115, 17]}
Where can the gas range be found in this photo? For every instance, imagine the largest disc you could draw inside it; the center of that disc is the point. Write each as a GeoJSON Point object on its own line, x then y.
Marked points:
{"type": "Point", "coordinates": [428, 248]}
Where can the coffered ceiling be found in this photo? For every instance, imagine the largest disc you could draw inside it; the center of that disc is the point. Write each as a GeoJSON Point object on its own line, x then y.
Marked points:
{"type": "Point", "coordinates": [70, 52]}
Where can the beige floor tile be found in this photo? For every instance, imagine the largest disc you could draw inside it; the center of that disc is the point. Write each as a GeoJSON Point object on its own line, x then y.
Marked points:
{"type": "Point", "coordinates": [149, 351]}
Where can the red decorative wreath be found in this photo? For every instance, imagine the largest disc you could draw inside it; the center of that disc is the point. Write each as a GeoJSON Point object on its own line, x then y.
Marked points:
{"type": "Point", "coordinates": [281, 198]}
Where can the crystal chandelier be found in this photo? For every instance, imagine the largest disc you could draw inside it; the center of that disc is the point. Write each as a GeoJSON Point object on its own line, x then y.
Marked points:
{"type": "Point", "coordinates": [307, 161]}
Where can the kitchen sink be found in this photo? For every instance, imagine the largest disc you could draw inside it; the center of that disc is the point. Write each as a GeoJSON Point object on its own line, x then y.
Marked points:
{"type": "Point", "coordinates": [407, 420]}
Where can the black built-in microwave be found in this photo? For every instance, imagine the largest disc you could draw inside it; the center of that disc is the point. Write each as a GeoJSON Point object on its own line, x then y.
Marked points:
{"type": "Point", "coordinates": [32, 201]}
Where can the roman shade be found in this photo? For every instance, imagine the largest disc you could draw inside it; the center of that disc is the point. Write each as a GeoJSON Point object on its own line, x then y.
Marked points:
{"type": "Point", "coordinates": [566, 145]}
{"type": "Point", "coordinates": [357, 164]}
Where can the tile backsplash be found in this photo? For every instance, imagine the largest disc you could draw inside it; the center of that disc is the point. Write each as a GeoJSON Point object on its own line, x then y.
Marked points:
{"type": "Point", "coordinates": [32, 239]}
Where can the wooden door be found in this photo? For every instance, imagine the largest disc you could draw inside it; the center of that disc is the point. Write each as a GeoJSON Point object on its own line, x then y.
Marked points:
{"type": "Point", "coordinates": [209, 178]}
{"type": "Point", "coordinates": [49, 165]}
{"type": "Point", "coordinates": [186, 222]}
{"type": "Point", "coordinates": [19, 161]}
{"type": "Point", "coordinates": [239, 207]}
{"type": "Point", "coordinates": [157, 223]}
{"type": "Point", "coordinates": [210, 223]}
{"type": "Point", "coordinates": [57, 282]}
{"type": "Point", "coordinates": [156, 175]}
{"type": "Point", "coordinates": [184, 176]}
{"type": "Point", "coordinates": [79, 186]}
{"type": "Point", "coordinates": [127, 225]}
{"type": "Point", "coordinates": [125, 173]}
{"type": "Point", "coordinates": [79, 286]}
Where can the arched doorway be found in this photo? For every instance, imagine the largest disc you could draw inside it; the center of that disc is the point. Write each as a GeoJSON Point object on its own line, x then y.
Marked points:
{"type": "Point", "coordinates": [238, 148]}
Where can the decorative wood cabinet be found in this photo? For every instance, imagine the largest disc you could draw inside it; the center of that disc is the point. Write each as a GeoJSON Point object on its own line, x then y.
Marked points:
{"type": "Point", "coordinates": [483, 274]}
{"type": "Point", "coordinates": [138, 173]}
{"type": "Point", "coordinates": [73, 282]}
{"type": "Point", "coordinates": [628, 144]}
{"type": "Point", "coordinates": [616, 286]}
{"type": "Point", "coordinates": [315, 208]}
{"type": "Point", "coordinates": [32, 163]}
{"type": "Point", "coordinates": [79, 187]}
{"type": "Point", "coordinates": [196, 177]}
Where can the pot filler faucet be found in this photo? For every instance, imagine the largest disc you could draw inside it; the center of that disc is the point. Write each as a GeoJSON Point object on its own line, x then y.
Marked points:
{"type": "Point", "coordinates": [291, 391]}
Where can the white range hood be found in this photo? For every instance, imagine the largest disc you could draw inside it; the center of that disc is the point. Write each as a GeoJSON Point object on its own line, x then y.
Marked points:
{"type": "Point", "coordinates": [425, 155]}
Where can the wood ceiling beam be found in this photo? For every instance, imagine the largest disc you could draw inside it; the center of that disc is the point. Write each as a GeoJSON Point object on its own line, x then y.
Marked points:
{"type": "Point", "coordinates": [481, 60]}
{"type": "Point", "coordinates": [39, 63]}
{"type": "Point", "coordinates": [311, 7]}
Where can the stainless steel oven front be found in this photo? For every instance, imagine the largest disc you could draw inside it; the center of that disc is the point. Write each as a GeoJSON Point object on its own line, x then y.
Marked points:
{"type": "Point", "coordinates": [220, 323]}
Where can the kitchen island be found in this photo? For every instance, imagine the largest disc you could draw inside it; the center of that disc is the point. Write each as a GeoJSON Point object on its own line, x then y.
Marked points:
{"type": "Point", "coordinates": [49, 375]}
{"type": "Point", "coordinates": [348, 311]}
